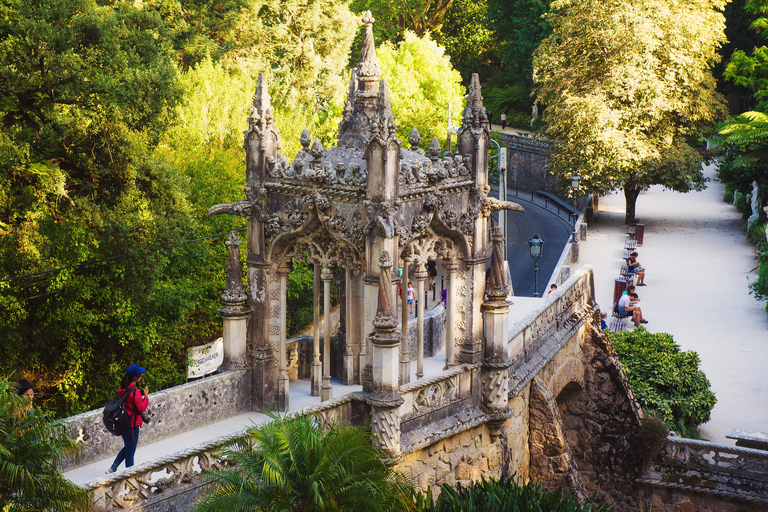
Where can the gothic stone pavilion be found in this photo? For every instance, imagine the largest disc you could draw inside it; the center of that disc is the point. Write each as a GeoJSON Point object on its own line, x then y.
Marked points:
{"type": "Point", "coordinates": [365, 207]}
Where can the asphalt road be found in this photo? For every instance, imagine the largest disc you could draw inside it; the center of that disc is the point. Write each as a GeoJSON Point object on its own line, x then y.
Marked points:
{"type": "Point", "coordinates": [553, 229]}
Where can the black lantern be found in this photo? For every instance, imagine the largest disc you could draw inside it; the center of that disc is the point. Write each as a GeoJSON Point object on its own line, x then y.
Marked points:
{"type": "Point", "coordinates": [535, 245]}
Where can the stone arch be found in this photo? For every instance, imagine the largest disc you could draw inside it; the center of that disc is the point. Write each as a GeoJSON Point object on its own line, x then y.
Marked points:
{"type": "Point", "coordinates": [569, 372]}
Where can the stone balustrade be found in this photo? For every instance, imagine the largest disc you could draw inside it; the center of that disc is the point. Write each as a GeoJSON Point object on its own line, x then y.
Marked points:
{"type": "Point", "coordinates": [199, 403]}
{"type": "Point", "coordinates": [701, 467]}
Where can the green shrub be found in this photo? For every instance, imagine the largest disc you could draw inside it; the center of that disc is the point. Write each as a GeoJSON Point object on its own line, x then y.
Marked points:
{"type": "Point", "coordinates": [728, 195]}
{"type": "Point", "coordinates": [665, 380]}
{"type": "Point", "coordinates": [740, 203]}
{"type": "Point", "coordinates": [502, 496]}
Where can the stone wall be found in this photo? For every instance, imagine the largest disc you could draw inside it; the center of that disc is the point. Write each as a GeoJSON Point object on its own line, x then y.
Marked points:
{"type": "Point", "coordinates": [528, 157]}
{"type": "Point", "coordinates": [171, 411]}
{"type": "Point", "coordinates": [572, 424]}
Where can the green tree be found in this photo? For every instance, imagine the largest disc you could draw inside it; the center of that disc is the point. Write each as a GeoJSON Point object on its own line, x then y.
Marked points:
{"type": "Point", "coordinates": [422, 83]}
{"type": "Point", "coordinates": [394, 18]}
{"type": "Point", "coordinates": [665, 380]}
{"type": "Point", "coordinates": [32, 448]}
{"type": "Point", "coordinates": [629, 92]}
{"type": "Point", "coordinates": [292, 464]}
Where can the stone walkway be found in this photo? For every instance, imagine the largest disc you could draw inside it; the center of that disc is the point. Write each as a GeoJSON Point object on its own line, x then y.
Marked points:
{"type": "Point", "coordinates": [698, 265]}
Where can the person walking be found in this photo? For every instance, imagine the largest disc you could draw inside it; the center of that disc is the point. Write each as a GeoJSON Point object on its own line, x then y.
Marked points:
{"type": "Point", "coordinates": [503, 120]}
{"type": "Point", "coordinates": [136, 403]}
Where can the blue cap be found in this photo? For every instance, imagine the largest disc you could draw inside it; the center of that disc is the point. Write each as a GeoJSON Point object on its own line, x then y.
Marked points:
{"type": "Point", "coordinates": [135, 369]}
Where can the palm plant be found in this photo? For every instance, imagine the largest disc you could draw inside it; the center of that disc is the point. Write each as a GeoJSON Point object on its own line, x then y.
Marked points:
{"type": "Point", "coordinates": [291, 464]}
{"type": "Point", "coordinates": [749, 132]}
{"type": "Point", "coordinates": [32, 448]}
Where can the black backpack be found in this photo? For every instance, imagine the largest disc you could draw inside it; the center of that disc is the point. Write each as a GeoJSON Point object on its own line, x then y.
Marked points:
{"type": "Point", "coordinates": [115, 417]}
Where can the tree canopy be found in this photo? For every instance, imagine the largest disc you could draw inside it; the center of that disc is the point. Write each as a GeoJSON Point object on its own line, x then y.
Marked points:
{"type": "Point", "coordinates": [629, 92]}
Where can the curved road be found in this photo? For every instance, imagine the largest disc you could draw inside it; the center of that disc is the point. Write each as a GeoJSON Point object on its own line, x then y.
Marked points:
{"type": "Point", "coordinates": [554, 230]}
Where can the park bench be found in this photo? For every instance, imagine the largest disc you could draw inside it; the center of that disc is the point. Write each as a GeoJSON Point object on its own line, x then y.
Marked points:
{"type": "Point", "coordinates": [618, 323]}
{"type": "Point", "coordinates": [625, 274]}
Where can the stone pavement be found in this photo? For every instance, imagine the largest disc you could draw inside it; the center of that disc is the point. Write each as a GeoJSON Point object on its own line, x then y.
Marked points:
{"type": "Point", "coordinates": [698, 265]}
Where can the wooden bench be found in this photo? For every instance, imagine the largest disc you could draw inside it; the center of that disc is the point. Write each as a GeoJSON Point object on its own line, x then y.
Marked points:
{"type": "Point", "coordinates": [618, 323]}
{"type": "Point", "coordinates": [629, 247]}
{"type": "Point", "coordinates": [625, 274]}
{"type": "Point", "coordinates": [749, 438]}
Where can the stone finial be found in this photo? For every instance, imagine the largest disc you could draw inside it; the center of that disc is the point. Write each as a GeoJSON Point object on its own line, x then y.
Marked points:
{"type": "Point", "coordinates": [385, 121]}
{"type": "Point", "coordinates": [305, 139]}
{"type": "Point", "coordinates": [261, 100]}
{"type": "Point", "coordinates": [434, 149]}
{"type": "Point", "coordinates": [234, 296]}
{"type": "Point", "coordinates": [369, 65]}
{"type": "Point", "coordinates": [414, 139]}
{"type": "Point", "coordinates": [317, 149]}
{"type": "Point", "coordinates": [385, 319]}
{"type": "Point", "coordinates": [496, 287]}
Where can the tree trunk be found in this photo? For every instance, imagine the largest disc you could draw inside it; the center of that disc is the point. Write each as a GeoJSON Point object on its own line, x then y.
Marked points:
{"type": "Point", "coordinates": [630, 196]}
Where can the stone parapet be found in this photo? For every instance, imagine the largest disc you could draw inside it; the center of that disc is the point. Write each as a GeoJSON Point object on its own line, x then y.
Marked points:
{"type": "Point", "coordinates": [171, 411]}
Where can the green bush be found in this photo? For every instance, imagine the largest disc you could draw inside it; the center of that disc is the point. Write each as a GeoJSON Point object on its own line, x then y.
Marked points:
{"type": "Point", "coordinates": [502, 496]}
{"type": "Point", "coordinates": [740, 203]}
{"type": "Point", "coordinates": [728, 195]}
{"type": "Point", "coordinates": [665, 380]}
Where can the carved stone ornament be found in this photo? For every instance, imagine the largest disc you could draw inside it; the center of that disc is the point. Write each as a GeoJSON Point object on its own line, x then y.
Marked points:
{"type": "Point", "coordinates": [385, 319]}
{"type": "Point", "coordinates": [234, 296]}
{"type": "Point", "coordinates": [420, 223]}
{"type": "Point", "coordinates": [414, 139]}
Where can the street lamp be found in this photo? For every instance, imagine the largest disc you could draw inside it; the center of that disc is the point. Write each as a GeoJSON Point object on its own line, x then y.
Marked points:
{"type": "Point", "coordinates": [535, 244]}
{"type": "Point", "coordinates": [575, 184]}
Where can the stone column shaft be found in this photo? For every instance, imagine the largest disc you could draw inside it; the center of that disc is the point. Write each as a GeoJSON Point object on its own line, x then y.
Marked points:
{"type": "Point", "coordinates": [349, 355]}
{"type": "Point", "coordinates": [283, 272]}
{"type": "Point", "coordinates": [450, 315]}
{"type": "Point", "coordinates": [405, 362]}
{"type": "Point", "coordinates": [421, 276]}
{"type": "Point", "coordinates": [326, 390]}
{"type": "Point", "coordinates": [316, 365]}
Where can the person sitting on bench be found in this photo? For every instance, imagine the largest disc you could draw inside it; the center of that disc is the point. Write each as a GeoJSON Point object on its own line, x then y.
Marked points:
{"type": "Point", "coordinates": [634, 267]}
{"type": "Point", "coordinates": [628, 307]}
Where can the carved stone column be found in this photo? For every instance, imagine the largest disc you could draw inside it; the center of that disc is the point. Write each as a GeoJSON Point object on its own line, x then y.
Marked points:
{"type": "Point", "coordinates": [316, 364]}
{"type": "Point", "coordinates": [496, 362]}
{"type": "Point", "coordinates": [420, 275]}
{"type": "Point", "coordinates": [326, 390]}
{"type": "Point", "coordinates": [450, 313]}
{"type": "Point", "coordinates": [385, 399]}
{"type": "Point", "coordinates": [234, 312]}
{"type": "Point", "coordinates": [349, 354]}
{"type": "Point", "coordinates": [405, 361]}
{"type": "Point", "coordinates": [282, 271]}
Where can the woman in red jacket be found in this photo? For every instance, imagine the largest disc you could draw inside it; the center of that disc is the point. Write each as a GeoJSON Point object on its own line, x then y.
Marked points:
{"type": "Point", "coordinates": [135, 403]}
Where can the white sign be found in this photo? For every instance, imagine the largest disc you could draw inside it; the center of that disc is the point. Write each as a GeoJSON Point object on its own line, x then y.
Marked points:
{"type": "Point", "coordinates": [205, 359]}
{"type": "Point", "coordinates": [503, 159]}
{"type": "Point", "coordinates": [454, 129]}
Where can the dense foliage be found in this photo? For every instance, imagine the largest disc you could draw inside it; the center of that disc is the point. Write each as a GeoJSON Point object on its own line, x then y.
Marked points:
{"type": "Point", "coordinates": [665, 380]}
{"type": "Point", "coordinates": [32, 448]}
{"type": "Point", "coordinates": [504, 495]}
{"type": "Point", "coordinates": [627, 101]}
{"type": "Point", "coordinates": [292, 464]}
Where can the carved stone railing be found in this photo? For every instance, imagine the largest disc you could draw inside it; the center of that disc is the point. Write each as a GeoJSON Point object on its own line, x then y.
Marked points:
{"type": "Point", "coordinates": [715, 469]}
{"type": "Point", "coordinates": [173, 482]}
{"type": "Point", "coordinates": [165, 484]}
{"type": "Point", "coordinates": [527, 144]}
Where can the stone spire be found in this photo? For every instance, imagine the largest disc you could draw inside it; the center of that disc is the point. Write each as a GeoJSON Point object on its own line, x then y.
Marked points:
{"type": "Point", "coordinates": [474, 112]}
{"type": "Point", "coordinates": [261, 139]}
{"type": "Point", "coordinates": [363, 92]}
{"type": "Point", "coordinates": [383, 125]}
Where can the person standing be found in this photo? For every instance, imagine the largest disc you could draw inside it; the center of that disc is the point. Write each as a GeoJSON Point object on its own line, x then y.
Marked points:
{"type": "Point", "coordinates": [503, 120]}
{"type": "Point", "coordinates": [136, 403]}
{"type": "Point", "coordinates": [410, 296]}
{"type": "Point", "coordinates": [490, 119]}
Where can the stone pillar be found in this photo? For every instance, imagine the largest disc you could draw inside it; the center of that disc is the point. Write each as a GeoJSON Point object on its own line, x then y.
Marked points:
{"type": "Point", "coordinates": [355, 333]}
{"type": "Point", "coordinates": [496, 362]}
{"type": "Point", "coordinates": [385, 399]}
{"type": "Point", "coordinates": [405, 361]}
{"type": "Point", "coordinates": [326, 390]}
{"type": "Point", "coordinates": [420, 275]}
{"type": "Point", "coordinates": [349, 354]}
{"type": "Point", "coordinates": [316, 376]}
{"type": "Point", "coordinates": [235, 312]}
{"type": "Point", "coordinates": [450, 313]}
{"type": "Point", "coordinates": [282, 272]}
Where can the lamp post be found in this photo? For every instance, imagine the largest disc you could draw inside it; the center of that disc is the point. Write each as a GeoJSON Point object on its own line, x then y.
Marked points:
{"type": "Point", "coordinates": [575, 184]}
{"type": "Point", "coordinates": [502, 156]}
{"type": "Point", "coordinates": [535, 245]}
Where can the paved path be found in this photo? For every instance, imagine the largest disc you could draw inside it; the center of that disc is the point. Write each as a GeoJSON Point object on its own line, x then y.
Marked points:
{"type": "Point", "coordinates": [698, 264]}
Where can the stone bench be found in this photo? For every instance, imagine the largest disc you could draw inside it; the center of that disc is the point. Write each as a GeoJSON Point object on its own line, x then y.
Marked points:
{"type": "Point", "coordinates": [749, 438]}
